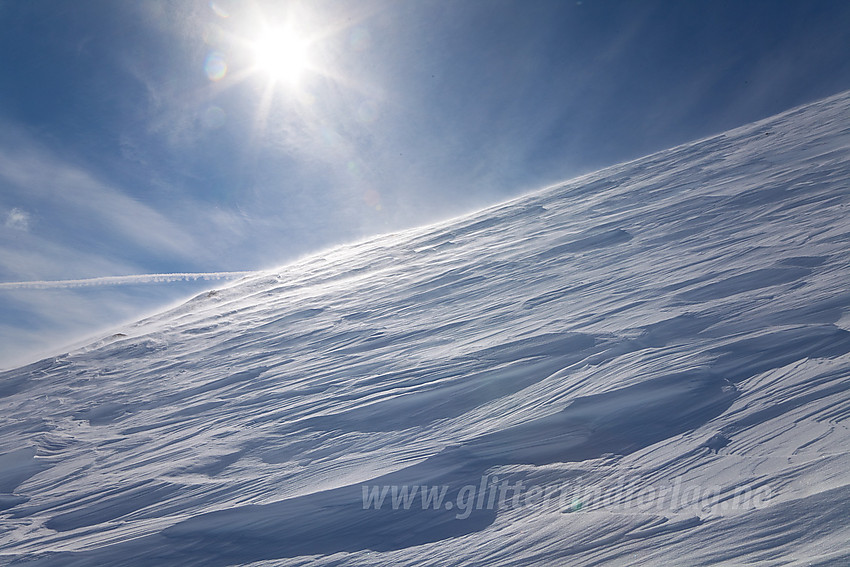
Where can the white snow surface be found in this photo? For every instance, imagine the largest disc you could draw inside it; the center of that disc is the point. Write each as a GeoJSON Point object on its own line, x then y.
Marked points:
{"type": "Point", "coordinates": [664, 341]}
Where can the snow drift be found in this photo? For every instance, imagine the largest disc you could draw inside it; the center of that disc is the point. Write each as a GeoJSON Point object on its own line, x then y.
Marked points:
{"type": "Point", "coordinates": [648, 363]}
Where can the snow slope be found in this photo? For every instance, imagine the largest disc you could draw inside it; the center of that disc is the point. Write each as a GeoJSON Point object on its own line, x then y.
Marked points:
{"type": "Point", "coordinates": [658, 352]}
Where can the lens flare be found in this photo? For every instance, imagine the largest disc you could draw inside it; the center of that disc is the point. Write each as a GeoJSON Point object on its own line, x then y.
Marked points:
{"type": "Point", "coordinates": [214, 118]}
{"type": "Point", "coordinates": [215, 66]}
{"type": "Point", "coordinates": [219, 10]}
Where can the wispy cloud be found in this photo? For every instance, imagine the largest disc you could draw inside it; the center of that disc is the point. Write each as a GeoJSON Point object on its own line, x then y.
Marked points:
{"type": "Point", "coordinates": [88, 203]}
{"type": "Point", "coordinates": [123, 280]}
{"type": "Point", "coordinates": [17, 219]}
{"type": "Point", "coordinates": [65, 221]}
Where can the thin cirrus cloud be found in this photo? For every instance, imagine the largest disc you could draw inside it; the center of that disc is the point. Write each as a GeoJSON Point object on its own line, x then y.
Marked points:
{"type": "Point", "coordinates": [72, 197]}
{"type": "Point", "coordinates": [64, 223]}
{"type": "Point", "coordinates": [64, 218]}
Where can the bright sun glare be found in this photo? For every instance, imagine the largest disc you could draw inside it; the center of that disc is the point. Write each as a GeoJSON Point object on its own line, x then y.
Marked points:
{"type": "Point", "coordinates": [282, 54]}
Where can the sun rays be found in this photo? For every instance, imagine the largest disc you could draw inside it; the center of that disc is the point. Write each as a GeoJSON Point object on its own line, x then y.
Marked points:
{"type": "Point", "coordinates": [282, 54]}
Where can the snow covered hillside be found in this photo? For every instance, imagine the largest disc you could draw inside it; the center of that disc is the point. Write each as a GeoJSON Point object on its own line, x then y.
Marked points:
{"type": "Point", "coordinates": [648, 364]}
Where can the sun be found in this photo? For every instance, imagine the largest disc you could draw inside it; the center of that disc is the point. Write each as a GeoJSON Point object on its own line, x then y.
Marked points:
{"type": "Point", "coordinates": [282, 54]}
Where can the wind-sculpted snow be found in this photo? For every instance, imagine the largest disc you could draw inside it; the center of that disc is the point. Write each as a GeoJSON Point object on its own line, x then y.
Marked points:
{"type": "Point", "coordinates": [648, 364]}
{"type": "Point", "coordinates": [621, 422]}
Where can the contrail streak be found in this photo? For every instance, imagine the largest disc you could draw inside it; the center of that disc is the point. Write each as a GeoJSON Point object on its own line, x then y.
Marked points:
{"type": "Point", "coordinates": [123, 280]}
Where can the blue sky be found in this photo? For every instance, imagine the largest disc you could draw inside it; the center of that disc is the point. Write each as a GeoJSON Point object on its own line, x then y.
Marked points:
{"type": "Point", "coordinates": [154, 136]}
